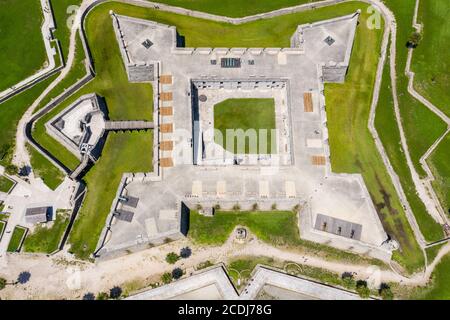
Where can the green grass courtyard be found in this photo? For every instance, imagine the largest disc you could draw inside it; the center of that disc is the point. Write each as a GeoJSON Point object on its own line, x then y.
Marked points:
{"type": "Point", "coordinates": [244, 125]}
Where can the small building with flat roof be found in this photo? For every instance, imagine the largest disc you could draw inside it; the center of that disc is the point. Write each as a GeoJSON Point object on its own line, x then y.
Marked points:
{"type": "Point", "coordinates": [38, 215]}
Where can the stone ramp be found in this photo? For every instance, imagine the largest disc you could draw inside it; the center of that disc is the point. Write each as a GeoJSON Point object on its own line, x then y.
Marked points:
{"type": "Point", "coordinates": [80, 168]}
{"type": "Point", "coordinates": [128, 125]}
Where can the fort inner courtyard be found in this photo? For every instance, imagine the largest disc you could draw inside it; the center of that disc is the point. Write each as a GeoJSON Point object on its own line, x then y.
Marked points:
{"type": "Point", "coordinates": [192, 169]}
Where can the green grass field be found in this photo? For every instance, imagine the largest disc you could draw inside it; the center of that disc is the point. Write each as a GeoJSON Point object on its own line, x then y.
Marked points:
{"type": "Point", "coordinates": [440, 166]}
{"type": "Point", "coordinates": [44, 169]}
{"type": "Point", "coordinates": [388, 131]}
{"type": "Point", "coordinates": [16, 239]}
{"type": "Point", "coordinates": [439, 288]}
{"type": "Point", "coordinates": [353, 149]}
{"type": "Point", "coordinates": [63, 12]}
{"type": "Point", "coordinates": [10, 113]}
{"type": "Point", "coordinates": [5, 184]}
{"type": "Point", "coordinates": [2, 227]}
{"type": "Point", "coordinates": [20, 30]}
{"type": "Point", "coordinates": [422, 127]}
{"type": "Point", "coordinates": [275, 227]}
{"type": "Point", "coordinates": [231, 8]}
{"type": "Point", "coordinates": [46, 239]}
{"type": "Point", "coordinates": [430, 59]}
{"type": "Point", "coordinates": [123, 152]}
{"type": "Point", "coordinates": [245, 114]}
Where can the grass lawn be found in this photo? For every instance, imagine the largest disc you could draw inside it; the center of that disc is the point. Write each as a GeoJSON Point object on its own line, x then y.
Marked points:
{"type": "Point", "coordinates": [17, 239]}
{"type": "Point", "coordinates": [440, 166]}
{"type": "Point", "coordinates": [245, 114]}
{"type": "Point", "coordinates": [430, 59]}
{"type": "Point", "coordinates": [22, 50]}
{"type": "Point", "coordinates": [10, 113]}
{"type": "Point", "coordinates": [231, 8]}
{"type": "Point", "coordinates": [44, 239]}
{"type": "Point", "coordinates": [244, 265]}
{"type": "Point", "coordinates": [63, 11]}
{"type": "Point", "coordinates": [5, 184]}
{"type": "Point", "coordinates": [353, 149]}
{"type": "Point", "coordinates": [422, 127]}
{"type": "Point", "coordinates": [123, 152]}
{"type": "Point", "coordinates": [275, 227]}
{"type": "Point", "coordinates": [388, 131]}
{"type": "Point", "coordinates": [44, 169]}
{"type": "Point", "coordinates": [433, 251]}
{"type": "Point", "coordinates": [439, 288]}
{"type": "Point", "coordinates": [2, 227]}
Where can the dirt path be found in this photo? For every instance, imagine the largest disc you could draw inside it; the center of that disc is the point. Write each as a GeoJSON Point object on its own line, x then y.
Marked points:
{"type": "Point", "coordinates": [61, 276]}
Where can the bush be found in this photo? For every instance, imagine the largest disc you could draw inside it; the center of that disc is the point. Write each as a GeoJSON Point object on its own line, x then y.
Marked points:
{"type": "Point", "coordinates": [177, 273]}
{"type": "Point", "coordinates": [386, 292]}
{"type": "Point", "coordinates": [24, 277]}
{"type": "Point", "coordinates": [2, 283]}
{"type": "Point", "coordinates": [362, 289]}
{"type": "Point", "coordinates": [102, 296]}
{"type": "Point", "coordinates": [217, 206]}
{"type": "Point", "coordinates": [274, 206]}
{"type": "Point", "coordinates": [166, 278]}
{"type": "Point", "coordinates": [185, 252]}
{"type": "Point", "coordinates": [236, 207]}
{"type": "Point", "coordinates": [414, 40]}
{"type": "Point", "coordinates": [172, 257]}
{"type": "Point", "coordinates": [89, 296]}
{"type": "Point", "coordinates": [347, 279]}
{"type": "Point", "coordinates": [255, 207]}
{"type": "Point", "coordinates": [115, 292]}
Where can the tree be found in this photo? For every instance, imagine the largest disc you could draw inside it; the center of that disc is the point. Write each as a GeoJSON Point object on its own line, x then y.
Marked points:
{"type": "Point", "coordinates": [362, 289]}
{"type": "Point", "coordinates": [185, 252]}
{"type": "Point", "coordinates": [89, 296]}
{"type": "Point", "coordinates": [23, 277]}
{"type": "Point", "coordinates": [115, 292]}
{"type": "Point", "coordinates": [414, 39]}
{"type": "Point", "coordinates": [177, 273]}
{"type": "Point", "coordinates": [102, 296]}
{"type": "Point", "coordinates": [166, 278]}
{"type": "Point", "coordinates": [172, 257]}
{"type": "Point", "coordinates": [386, 292]}
{"type": "Point", "coordinates": [2, 283]}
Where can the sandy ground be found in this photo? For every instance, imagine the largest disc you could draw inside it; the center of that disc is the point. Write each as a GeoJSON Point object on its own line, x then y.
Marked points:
{"type": "Point", "coordinates": [63, 277]}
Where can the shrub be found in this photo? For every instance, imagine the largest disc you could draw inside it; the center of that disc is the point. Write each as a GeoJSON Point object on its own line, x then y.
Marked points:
{"type": "Point", "coordinates": [347, 279]}
{"type": "Point", "coordinates": [166, 278]}
{"type": "Point", "coordinates": [89, 296]}
{"type": "Point", "coordinates": [203, 265]}
{"type": "Point", "coordinates": [386, 292]}
{"type": "Point", "coordinates": [199, 207]}
{"type": "Point", "coordinates": [102, 296]}
{"type": "Point", "coordinates": [115, 292]}
{"type": "Point", "coordinates": [185, 252]}
{"type": "Point", "coordinates": [414, 40]}
{"type": "Point", "coordinates": [172, 257]}
{"type": "Point", "coordinates": [2, 283]}
{"type": "Point", "coordinates": [362, 289]}
{"type": "Point", "coordinates": [24, 277]}
{"type": "Point", "coordinates": [177, 273]}
{"type": "Point", "coordinates": [217, 206]}
{"type": "Point", "coordinates": [274, 206]}
{"type": "Point", "coordinates": [236, 207]}
{"type": "Point", "coordinates": [255, 207]}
